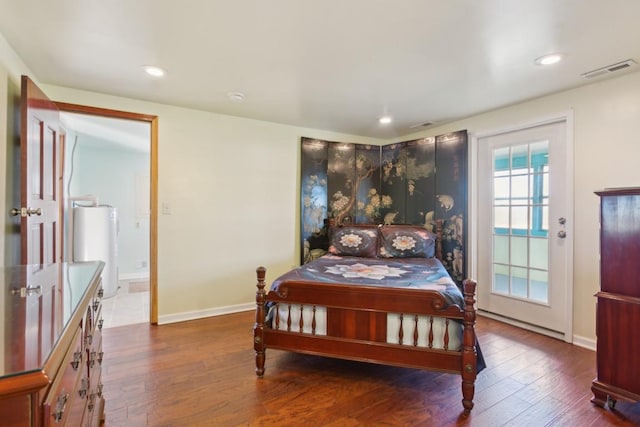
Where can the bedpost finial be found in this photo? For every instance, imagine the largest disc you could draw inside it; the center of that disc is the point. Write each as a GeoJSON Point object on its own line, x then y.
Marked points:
{"type": "Point", "coordinates": [261, 272]}
{"type": "Point", "coordinates": [469, 286]}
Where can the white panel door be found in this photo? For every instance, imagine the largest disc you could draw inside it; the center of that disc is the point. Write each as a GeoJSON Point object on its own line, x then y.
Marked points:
{"type": "Point", "coordinates": [524, 213]}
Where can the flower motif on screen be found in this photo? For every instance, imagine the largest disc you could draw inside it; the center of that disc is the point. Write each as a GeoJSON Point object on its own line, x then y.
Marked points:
{"type": "Point", "coordinates": [351, 240]}
{"type": "Point", "coordinates": [403, 243]}
{"type": "Point", "coordinates": [377, 272]}
{"type": "Point", "coordinates": [339, 202]}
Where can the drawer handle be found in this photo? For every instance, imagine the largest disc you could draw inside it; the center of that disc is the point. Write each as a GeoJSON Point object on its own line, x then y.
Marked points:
{"type": "Point", "coordinates": [77, 357]}
{"type": "Point", "coordinates": [88, 340]}
{"type": "Point", "coordinates": [101, 292]}
{"type": "Point", "coordinates": [100, 322]}
{"type": "Point", "coordinates": [61, 404]}
{"type": "Point", "coordinates": [83, 388]}
{"type": "Point", "coordinates": [92, 398]}
{"type": "Point", "coordinates": [92, 359]}
{"type": "Point", "coordinates": [100, 357]}
{"type": "Point", "coordinates": [100, 387]}
{"type": "Point", "coordinates": [96, 304]}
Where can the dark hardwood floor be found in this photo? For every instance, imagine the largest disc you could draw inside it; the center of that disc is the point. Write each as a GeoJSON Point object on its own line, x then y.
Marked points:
{"type": "Point", "coordinates": [201, 373]}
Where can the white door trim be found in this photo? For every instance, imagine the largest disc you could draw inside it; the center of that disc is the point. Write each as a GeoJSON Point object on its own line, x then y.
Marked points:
{"type": "Point", "coordinates": [568, 117]}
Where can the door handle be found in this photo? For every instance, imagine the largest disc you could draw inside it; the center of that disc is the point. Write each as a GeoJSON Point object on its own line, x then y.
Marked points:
{"type": "Point", "coordinates": [562, 221]}
{"type": "Point", "coordinates": [24, 212]}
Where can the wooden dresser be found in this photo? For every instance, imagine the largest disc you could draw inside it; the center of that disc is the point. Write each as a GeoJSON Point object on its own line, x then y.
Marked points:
{"type": "Point", "coordinates": [51, 351]}
{"type": "Point", "coordinates": [618, 302]}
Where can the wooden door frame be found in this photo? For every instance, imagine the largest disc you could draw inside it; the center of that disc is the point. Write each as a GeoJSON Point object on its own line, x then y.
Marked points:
{"type": "Point", "coordinates": [153, 196]}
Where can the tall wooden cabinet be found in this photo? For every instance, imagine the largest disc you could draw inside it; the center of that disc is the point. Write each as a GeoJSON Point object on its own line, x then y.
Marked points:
{"type": "Point", "coordinates": [51, 351]}
{"type": "Point", "coordinates": [618, 302]}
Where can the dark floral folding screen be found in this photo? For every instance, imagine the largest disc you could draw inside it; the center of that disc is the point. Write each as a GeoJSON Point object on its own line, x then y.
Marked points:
{"type": "Point", "coordinates": [412, 182]}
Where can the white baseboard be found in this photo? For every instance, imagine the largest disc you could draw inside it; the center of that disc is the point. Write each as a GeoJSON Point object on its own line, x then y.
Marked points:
{"type": "Point", "coordinates": [193, 315]}
{"type": "Point", "coordinates": [588, 343]}
{"type": "Point", "coordinates": [523, 325]}
{"type": "Point", "coordinates": [134, 276]}
{"type": "Point", "coordinates": [575, 339]}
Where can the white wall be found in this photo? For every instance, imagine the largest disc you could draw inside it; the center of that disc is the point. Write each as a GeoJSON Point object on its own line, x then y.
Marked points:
{"type": "Point", "coordinates": [109, 171]}
{"type": "Point", "coordinates": [607, 151]}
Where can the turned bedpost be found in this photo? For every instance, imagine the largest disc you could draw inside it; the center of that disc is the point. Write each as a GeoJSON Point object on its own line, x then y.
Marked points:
{"type": "Point", "coordinates": [469, 355]}
{"type": "Point", "coordinates": [258, 328]}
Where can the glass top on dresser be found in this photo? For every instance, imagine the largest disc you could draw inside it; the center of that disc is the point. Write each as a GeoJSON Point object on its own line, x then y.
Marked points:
{"type": "Point", "coordinates": [37, 304]}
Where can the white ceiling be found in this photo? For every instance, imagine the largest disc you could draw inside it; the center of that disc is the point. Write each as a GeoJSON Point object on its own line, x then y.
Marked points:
{"type": "Point", "coordinates": [107, 131]}
{"type": "Point", "coordinates": [330, 64]}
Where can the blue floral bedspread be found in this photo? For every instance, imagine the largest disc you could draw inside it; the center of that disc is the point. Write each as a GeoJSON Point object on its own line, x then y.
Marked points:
{"type": "Point", "coordinates": [410, 273]}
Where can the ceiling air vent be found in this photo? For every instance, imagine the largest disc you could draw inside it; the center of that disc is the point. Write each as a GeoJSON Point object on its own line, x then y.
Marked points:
{"type": "Point", "coordinates": [609, 69]}
{"type": "Point", "coordinates": [420, 125]}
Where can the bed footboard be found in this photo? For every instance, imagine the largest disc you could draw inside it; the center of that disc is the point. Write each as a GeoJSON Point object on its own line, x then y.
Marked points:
{"type": "Point", "coordinates": [462, 360]}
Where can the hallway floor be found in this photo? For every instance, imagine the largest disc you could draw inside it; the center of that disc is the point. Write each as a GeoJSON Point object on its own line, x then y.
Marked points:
{"type": "Point", "coordinates": [130, 305]}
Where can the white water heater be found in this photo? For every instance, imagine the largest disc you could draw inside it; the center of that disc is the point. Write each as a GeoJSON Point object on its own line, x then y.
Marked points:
{"type": "Point", "coordinates": [95, 237]}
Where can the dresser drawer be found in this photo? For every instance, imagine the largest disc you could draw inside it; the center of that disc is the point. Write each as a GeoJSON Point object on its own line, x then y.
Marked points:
{"type": "Point", "coordinates": [67, 397]}
{"type": "Point", "coordinates": [618, 341]}
{"type": "Point", "coordinates": [95, 400]}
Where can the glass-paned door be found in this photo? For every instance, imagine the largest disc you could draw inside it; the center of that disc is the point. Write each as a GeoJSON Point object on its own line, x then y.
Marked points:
{"type": "Point", "coordinates": [523, 211]}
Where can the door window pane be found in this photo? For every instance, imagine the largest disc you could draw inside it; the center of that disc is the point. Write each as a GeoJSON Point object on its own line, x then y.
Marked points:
{"type": "Point", "coordinates": [519, 282]}
{"type": "Point", "coordinates": [520, 190]}
{"type": "Point", "coordinates": [519, 252]}
{"type": "Point", "coordinates": [501, 161]}
{"type": "Point", "coordinates": [501, 220]}
{"type": "Point", "coordinates": [501, 249]}
{"type": "Point", "coordinates": [539, 256]}
{"type": "Point", "coordinates": [539, 284]}
{"type": "Point", "coordinates": [521, 219]}
{"type": "Point", "coordinates": [501, 190]}
{"type": "Point", "coordinates": [501, 279]}
{"type": "Point", "coordinates": [520, 157]}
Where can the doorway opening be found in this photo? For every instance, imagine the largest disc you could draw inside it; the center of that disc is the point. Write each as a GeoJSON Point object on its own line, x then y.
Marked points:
{"type": "Point", "coordinates": [110, 188]}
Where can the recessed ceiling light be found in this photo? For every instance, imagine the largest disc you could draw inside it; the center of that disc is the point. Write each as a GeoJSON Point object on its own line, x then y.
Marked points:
{"type": "Point", "coordinates": [550, 59]}
{"type": "Point", "coordinates": [153, 71]}
{"type": "Point", "coordinates": [236, 96]}
{"type": "Point", "coordinates": [385, 120]}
